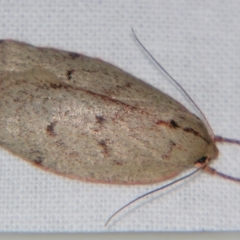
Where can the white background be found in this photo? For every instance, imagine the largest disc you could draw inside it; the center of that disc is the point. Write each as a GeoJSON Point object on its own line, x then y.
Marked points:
{"type": "Point", "coordinates": [198, 42]}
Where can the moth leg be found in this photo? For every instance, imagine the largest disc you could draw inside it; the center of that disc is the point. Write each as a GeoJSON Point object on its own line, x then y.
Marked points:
{"type": "Point", "coordinates": [220, 174]}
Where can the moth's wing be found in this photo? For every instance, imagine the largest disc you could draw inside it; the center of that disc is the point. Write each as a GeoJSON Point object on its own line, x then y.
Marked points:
{"type": "Point", "coordinates": [83, 117]}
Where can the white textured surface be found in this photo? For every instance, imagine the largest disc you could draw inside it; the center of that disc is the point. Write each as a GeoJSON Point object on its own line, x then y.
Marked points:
{"type": "Point", "coordinates": [198, 42]}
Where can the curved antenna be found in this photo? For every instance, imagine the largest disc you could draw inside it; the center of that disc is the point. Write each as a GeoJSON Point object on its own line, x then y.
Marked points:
{"type": "Point", "coordinates": [148, 193]}
{"type": "Point", "coordinates": [171, 78]}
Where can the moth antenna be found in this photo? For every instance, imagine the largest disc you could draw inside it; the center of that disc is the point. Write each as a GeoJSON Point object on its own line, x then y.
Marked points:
{"type": "Point", "coordinates": [220, 174]}
{"type": "Point", "coordinates": [148, 193]}
{"type": "Point", "coordinates": [175, 82]}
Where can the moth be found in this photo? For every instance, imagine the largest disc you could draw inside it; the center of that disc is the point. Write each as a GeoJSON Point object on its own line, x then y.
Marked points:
{"type": "Point", "coordinates": [83, 118]}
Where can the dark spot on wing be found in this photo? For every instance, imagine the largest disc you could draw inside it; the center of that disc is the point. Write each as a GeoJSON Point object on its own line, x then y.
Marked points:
{"type": "Point", "coordinates": [191, 131]}
{"type": "Point", "coordinates": [56, 86]}
{"type": "Point", "coordinates": [69, 74]}
{"type": "Point", "coordinates": [38, 160]}
{"type": "Point", "coordinates": [74, 55]}
{"type": "Point", "coordinates": [171, 124]}
{"type": "Point", "coordinates": [118, 163]}
{"type": "Point", "coordinates": [172, 143]}
{"type": "Point", "coordinates": [103, 144]}
{"type": "Point", "coordinates": [174, 124]}
{"type": "Point", "coordinates": [50, 129]}
{"type": "Point", "coordinates": [90, 70]}
{"type": "Point", "coordinates": [100, 119]}
{"type": "Point", "coordinates": [128, 84]}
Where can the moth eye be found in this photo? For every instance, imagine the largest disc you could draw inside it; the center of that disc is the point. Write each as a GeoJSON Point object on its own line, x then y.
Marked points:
{"type": "Point", "coordinates": [202, 159]}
